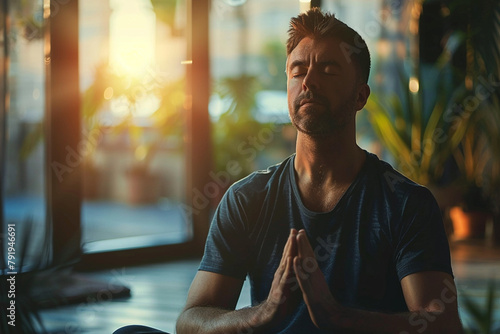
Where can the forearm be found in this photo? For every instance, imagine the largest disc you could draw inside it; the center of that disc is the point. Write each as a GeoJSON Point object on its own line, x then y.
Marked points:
{"type": "Point", "coordinates": [207, 320]}
{"type": "Point", "coordinates": [360, 321]}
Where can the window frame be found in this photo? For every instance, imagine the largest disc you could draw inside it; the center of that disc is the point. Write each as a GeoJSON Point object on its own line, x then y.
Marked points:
{"type": "Point", "coordinates": [63, 123]}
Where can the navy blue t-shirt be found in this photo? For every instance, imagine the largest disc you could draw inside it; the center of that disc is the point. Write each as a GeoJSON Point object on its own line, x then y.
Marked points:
{"type": "Point", "coordinates": [384, 228]}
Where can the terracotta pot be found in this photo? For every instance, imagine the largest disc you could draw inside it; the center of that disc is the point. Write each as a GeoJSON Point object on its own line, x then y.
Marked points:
{"type": "Point", "coordinates": [446, 196]}
{"type": "Point", "coordinates": [468, 225]}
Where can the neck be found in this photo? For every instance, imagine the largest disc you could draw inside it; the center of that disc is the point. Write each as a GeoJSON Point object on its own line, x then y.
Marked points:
{"type": "Point", "coordinates": [327, 161]}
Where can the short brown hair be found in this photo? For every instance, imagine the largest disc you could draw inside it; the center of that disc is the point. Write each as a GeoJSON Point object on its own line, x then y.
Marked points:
{"type": "Point", "coordinates": [318, 25]}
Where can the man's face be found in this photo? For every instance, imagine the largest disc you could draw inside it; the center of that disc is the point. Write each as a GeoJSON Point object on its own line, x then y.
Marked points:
{"type": "Point", "coordinates": [323, 89]}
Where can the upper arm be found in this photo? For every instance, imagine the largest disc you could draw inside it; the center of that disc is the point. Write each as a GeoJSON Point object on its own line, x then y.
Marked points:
{"type": "Point", "coordinates": [432, 292]}
{"type": "Point", "coordinates": [216, 290]}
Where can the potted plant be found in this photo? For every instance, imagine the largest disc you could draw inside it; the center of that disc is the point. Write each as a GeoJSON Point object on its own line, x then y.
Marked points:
{"type": "Point", "coordinates": [474, 160]}
{"type": "Point", "coordinates": [420, 140]}
{"type": "Point", "coordinates": [422, 130]}
{"type": "Point", "coordinates": [478, 155]}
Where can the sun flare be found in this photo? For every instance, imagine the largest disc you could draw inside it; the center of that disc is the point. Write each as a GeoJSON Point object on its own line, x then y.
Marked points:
{"type": "Point", "coordinates": [132, 37]}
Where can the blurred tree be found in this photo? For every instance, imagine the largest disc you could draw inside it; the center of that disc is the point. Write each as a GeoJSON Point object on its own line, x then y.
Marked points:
{"type": "Point", "coordinates": [236, 126]}
{"type": "Point", "coordinates": [274, 52]}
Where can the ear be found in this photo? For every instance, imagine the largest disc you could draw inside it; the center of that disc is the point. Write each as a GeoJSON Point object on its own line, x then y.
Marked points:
{"type": "Point", "coordinates": [363, 93]}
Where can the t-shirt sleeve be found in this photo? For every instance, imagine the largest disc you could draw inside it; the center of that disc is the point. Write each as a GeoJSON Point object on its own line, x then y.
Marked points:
{"type": "Point", "coordinates": [422, 244]}
{"type": "Point", "coordinates": [226, 248]}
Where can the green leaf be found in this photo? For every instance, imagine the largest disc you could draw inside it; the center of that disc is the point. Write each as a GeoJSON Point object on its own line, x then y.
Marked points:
{"type": "Point", "coordinates": [482, 316]}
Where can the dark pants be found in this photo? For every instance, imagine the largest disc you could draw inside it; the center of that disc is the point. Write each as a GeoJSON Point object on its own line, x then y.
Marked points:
{"type": "Point", "coordinates": [135, 329]}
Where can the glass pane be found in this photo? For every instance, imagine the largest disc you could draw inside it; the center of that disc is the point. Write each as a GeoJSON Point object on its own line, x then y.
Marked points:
{"type": "Point", "coordinates": [248, 106]}
{"type": "Point", "coordinates": [132, 83]}
{"type": "Point", "coordinates": [23, 183]}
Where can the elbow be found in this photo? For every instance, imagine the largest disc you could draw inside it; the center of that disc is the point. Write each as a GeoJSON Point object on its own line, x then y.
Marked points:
{"type": "Point", "coordinates": [184, 324]}
{"type": "Point", "coordinates": [180, 326]}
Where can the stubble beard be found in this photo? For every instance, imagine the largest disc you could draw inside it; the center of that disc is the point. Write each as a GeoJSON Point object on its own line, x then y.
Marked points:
{"type": "Point", "coordinates": [318, 119]}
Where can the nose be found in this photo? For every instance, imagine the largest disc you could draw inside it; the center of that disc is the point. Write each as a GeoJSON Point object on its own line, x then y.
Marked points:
{"type": "Point", "coordinates": [310, 81]}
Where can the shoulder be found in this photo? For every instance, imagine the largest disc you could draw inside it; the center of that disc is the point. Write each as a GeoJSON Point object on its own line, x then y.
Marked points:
{"type": "Point", "coordinates": [245, 198]}
{"type": "Point", "coordinates": [395, 186]}
{"type": "Point", "coordinates": [261, 181]}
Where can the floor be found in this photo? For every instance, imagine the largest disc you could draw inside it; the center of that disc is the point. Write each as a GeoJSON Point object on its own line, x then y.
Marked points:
{"type": "Point", "coordinates": [158, 292]}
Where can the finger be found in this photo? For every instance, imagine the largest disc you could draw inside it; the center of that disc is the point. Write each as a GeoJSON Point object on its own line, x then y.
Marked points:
{"type": "Point", "coordinates": [303, 278]}
{"type": "Point", "coordinates": [290, 247]}
{"type": "Point", "coordinates": [305, 264]}
{"type": "Point", "coordinates": [292, 251]}
{"type": "Point", "coordinates": [277, 284]}
{"type": "Point", "coordinates": [315, 293]}
{"type": "Point", "coordinates": [284, 280]}
{"type": "Point", "coordinates": [288, 271]}
{"type": "Point", "coordinates": [285, 251]}
{"type": "Point", "coordinates": [311, 280]}
{"type": "Point", "coordinates": [306, 261]}
{"type": "Point", "coordinates": [304, 248]}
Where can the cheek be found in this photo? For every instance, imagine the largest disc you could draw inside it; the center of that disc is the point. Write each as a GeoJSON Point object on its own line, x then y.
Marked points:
{"type": "Point", "coordinates": [293, 82]}
{"type": "Point", "coordinates": [290, 103]}
{"type": "Point", "coordinates": [293, 89]}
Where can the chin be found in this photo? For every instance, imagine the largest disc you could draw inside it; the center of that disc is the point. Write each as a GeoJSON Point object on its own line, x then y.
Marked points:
{"type": "Point", "coordinates": [312, 109]}
{"type": "Point", "coordinates": [315, 131]}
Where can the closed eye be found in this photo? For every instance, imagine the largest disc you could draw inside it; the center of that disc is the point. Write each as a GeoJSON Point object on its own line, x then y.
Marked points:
{"type": "Point", "coordinates": [331, 70]}
{"type": "Point", "coordinates": [298, 69]}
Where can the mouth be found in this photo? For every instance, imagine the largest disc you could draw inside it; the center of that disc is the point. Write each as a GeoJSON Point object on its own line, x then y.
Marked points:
{"type": "Point", "coordinates": [309, 101]}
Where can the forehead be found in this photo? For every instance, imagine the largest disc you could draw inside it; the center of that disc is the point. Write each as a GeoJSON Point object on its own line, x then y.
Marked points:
{"type": "Point", "coordinates": [325, 49]}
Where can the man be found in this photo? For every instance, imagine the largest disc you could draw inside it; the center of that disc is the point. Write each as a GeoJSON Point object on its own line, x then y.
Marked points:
{"type": "Point", "coordinates": [333, 240]}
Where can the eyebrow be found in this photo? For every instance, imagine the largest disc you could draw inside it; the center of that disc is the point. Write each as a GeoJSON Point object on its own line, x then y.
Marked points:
{"type": "Point", "coordinates": [297, 63]}
{"type": "Point", "coordinates": [329, 63]}
{"type": "Point", "coordinates": [325, 63]}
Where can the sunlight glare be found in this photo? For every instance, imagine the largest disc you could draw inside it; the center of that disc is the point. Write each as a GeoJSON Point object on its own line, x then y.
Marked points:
{"type": "Point", "coordinates": [305, 5]}
{"type": "Point", "coordinates": [132, 37]}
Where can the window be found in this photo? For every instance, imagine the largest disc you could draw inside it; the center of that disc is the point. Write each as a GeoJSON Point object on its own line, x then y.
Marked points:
{"type": "Point", "coordinates": [104, 147]}
{"type": "Point", "coordinates": [22, 116]}
{"type": "Point", "coordinates": [132, 80]}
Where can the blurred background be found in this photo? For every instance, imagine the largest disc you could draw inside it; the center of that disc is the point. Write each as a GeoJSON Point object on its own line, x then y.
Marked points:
{"type": "Point", "coordinates": [123, 122]}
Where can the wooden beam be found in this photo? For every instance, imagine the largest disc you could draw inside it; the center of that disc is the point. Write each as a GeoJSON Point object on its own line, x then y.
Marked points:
{"type": "Point", "coordinates": [199, 160]}
{"type": "Point", "coordinates": [64, 162]}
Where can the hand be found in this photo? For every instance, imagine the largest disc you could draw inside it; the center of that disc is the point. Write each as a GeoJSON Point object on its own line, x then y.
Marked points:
{"type": "Point", "coordinates": [315, 291]}
{"type": "Point", "coordinates": [285, 294]}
